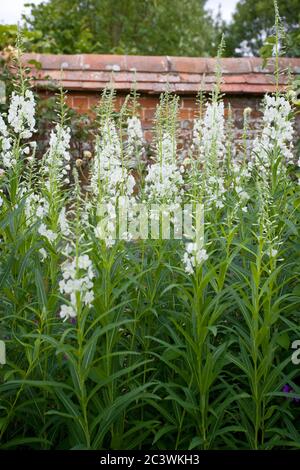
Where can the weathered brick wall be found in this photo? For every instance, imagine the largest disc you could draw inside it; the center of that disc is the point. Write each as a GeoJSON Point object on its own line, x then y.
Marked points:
{"type": "Point", "coordinates": [84, 102]}
{"type": "Point", "coordinates": [244, 83]}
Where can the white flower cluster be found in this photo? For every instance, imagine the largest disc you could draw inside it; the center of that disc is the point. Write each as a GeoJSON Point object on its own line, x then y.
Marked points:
{"type": "Point", "coordinates": [135, 140]}
{"type": "Point", "coordinates": [47, 233]}
{"type": "Point", "coordinates": [110, 180]}
{"type": "Point", "coordinates": [106, 228]}
{"type": "Point", "coordinates": [197, 134]}
{"type": "Point", "coordinates": [209, 144]}
{"type": "Point", "coordinates": [63, 222]}
{"type": "Point", "coordinates": [77, 283]}
{"type": "Point", "coordinates": [164, 179]}
{"type": "Point", "coordinates": [6, 156]}
{"type": "Point", "coordinates": [277, 133]}
{"type": "Point", "coordinates": [193, 256]}
{"type": "Point", "coordinates": [241, 174]}
{"type": "Point", "coordinates": [209, 133]}
{"type": "Point", "coordinates": [3, 127]}
{"type": "Point", "coordinates": [215, 191]}
{"type": "Point", "coordinates": [36, 208]}
{"type": "Point", "coordinates": [21, 114]}
{"type": "Point", "coordinates": [21, 121]}
{"type": "Point", "coordinates": [109, 176]}
{"type": "Point", "coordinates": [36, 211]}
{"type": "Point", "coordinates": [57, 159]}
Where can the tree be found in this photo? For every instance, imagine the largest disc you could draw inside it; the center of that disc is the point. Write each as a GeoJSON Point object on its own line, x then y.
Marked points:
{"type": "Point", "coordinates": [253, 21]}
{"type": "Point", "coordinates": [150, 27]}
{"type": "Point", "coordinates": [8, 37]}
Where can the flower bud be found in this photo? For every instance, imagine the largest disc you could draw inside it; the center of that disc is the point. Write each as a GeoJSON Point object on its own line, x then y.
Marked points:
{"type": "Point", "coordinates": [87, 154]}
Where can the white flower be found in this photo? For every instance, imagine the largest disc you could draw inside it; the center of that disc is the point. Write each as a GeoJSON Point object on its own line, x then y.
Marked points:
{"type": "Point", "coordinates": [84, 262]}
{"type": "Point", "coordinates": [76, 280]}
{"type": "Point", "coordinates": [110, 182]}
{"type": "Point", "coordinates": [6, 144]}
{"type": "Point", "coordinates": [67, 250]}
{"type": "Point", "coordinates": [67, 311]}
{"type": "Point", "coordinates": [6, 155]}
{"type": "Point", "coordinates": [106, 227]}
{"type": "Point", "coordinates": [56, 160]}
{"type": "Point", "coordinates": [189, 263]}
{"type": "Point", "coordinates": [88, 297]}
{"type": "Point", "coordinates": [219, 204]}
{"type": "Point", "coordinates": [197, 134]}
{"type": "Point", "coordinates": [109, 175]}
{"type": "Point", "coordinates": [276, 136]}
{"type": "Point", "coordinates": [273, 252]}
{"type": "Point", "coordinates": [49, 234]}
{"type": "Point", "coordinates": [3, 127]}
{"type": "Point", "coordinates": [201, 255]}
{"type": "Point", "coordinates": [193, 256]}
{"type": "Point", "coordinates": [36, 208]}
{"type": "Point", "coordinates": [63, 223]}
{"type": "Point", "coordinates": [164, 181]}
{"type": "Point", "coordinates": [43, 253]}
{"type": "Point", "coordinates": [209, 132]}
{"type": "Point", "coordinates": [21, 114]}
{"type": "Point", "coordinates": [135, 140]}
{"type": "Point", "coordinates": [209, 145]}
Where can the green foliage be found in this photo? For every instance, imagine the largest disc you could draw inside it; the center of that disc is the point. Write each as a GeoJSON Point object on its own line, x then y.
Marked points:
{"type": "Point", "coordinates": [149, 27]}
{"type": "Point", "coordinates": [9, 33]}
{"type": "Point", "coordinates": [161, 357]}
{"type": "Point", "coordinates": [252, 23]}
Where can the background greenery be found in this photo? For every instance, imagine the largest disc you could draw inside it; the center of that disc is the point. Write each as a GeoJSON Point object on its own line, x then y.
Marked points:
{"type": "Point", "coordinates": [150, 27]}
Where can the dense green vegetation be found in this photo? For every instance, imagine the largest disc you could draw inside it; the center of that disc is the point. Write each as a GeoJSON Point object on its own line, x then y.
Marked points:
{"type": "Point", "coordinates": [151, 27]}
{"type": "Point", "coordinates": [120, 343]}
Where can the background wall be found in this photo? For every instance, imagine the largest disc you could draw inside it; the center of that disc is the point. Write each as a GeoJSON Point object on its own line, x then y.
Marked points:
{"type": "Point", "coordinates": [84, 76]}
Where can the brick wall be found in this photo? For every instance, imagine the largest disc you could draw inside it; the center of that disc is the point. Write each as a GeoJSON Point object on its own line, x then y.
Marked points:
{"type": "Point", "coordinates": [244, 83]}
{"type": "Point", "coordinates": [83, 102]}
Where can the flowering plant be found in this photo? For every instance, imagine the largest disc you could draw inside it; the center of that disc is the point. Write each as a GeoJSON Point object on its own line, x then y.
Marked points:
{"type": "Point", "coordinates": [164, 342]}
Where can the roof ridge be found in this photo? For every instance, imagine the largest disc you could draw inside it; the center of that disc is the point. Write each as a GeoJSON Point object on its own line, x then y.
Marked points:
{"type": "Point", "coordinates": [92, 72]}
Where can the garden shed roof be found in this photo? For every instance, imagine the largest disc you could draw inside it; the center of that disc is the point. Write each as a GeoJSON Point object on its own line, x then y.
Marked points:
{"type": "Point", "coordinates": [153, 74]}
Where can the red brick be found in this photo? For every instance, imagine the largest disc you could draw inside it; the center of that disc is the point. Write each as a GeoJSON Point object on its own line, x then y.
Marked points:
{"type": "Point", "coordinates": [230, 65]}
{"type": "Point", "coordinates": [147, 63]}
{"type": "Point", "coordinates": [148, 114]}
{"type": "Point", "coordinates": [190, 77]}
{"type": "Point", "coordinates": [185, 113]}
{"type": "Point", "coordinates": [147, 125]}
{"type": "Point", "coordinates": [148, 101]}
{"type": "Point", "coordinates": [56, 62]}
{"type": "Point", "coordinates": [244, 83]}
{"type": "Point", "coordinates": [107, 62]}
{"type": "Point", "coordinates": [194, 113]}
{"type": "Point", "coordinates": [189, 103]}
{"type": "Point", "coordinates": [80, 103]}
{"type": "Point", "coordinates": [188, 64]}
{"type": "Point", "coordinates": [70, 100]}
{"type": "Point", "coordinates": [93, 100]}
{"type": "Point", "coordinates": [148, 135]}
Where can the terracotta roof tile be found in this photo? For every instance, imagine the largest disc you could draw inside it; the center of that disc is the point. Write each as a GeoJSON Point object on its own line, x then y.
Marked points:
{"type": "Point", "coordinates": [155, 74]}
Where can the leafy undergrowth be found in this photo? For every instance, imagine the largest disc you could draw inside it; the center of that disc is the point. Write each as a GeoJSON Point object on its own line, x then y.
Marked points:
{"type": "Point", "coordinates": [123, 342]}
